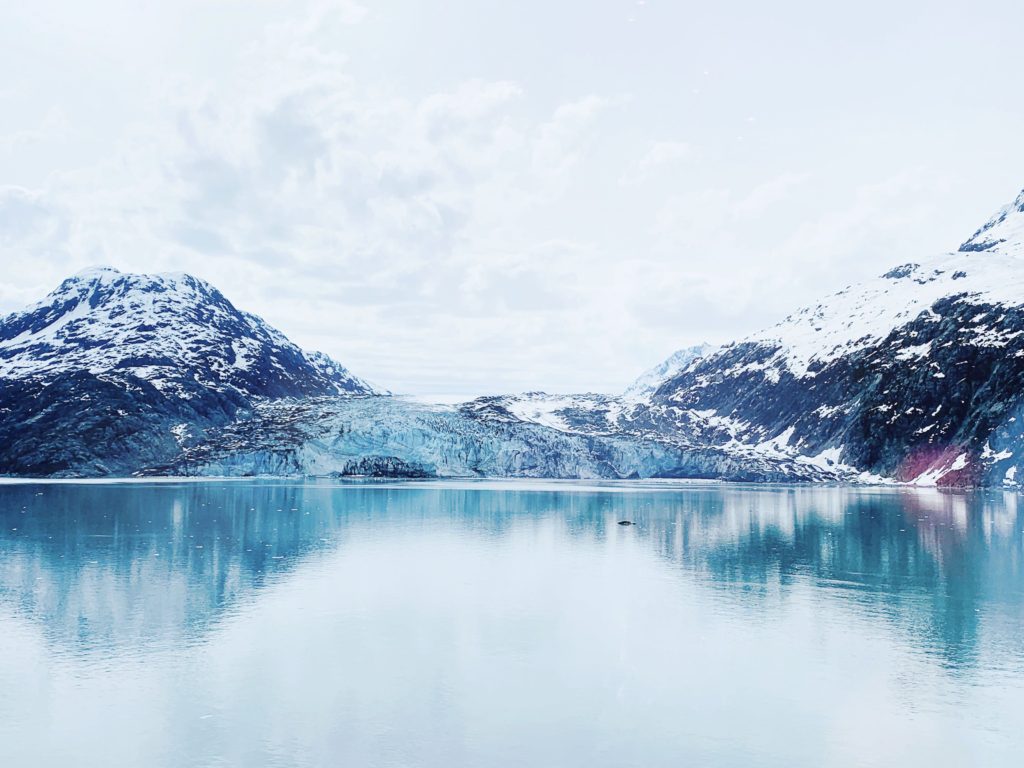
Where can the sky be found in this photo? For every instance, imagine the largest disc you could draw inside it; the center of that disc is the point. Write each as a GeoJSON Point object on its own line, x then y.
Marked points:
{"type": "Point", "coordinates": [469, 197]}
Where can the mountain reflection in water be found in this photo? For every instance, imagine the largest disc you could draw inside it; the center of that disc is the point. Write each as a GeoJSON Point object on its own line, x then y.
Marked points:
{"type": "Point", "coordinates": [98, 578]}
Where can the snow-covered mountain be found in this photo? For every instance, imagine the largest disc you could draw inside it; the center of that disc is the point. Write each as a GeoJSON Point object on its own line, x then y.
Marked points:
{"type": "Point", "coordinates": [649, 381]}
{"type": "Point", "coordinates": [917, 374]}
{"type": "Point", "coordinates": [1004, 232]}
{"type": "Point", "coordinates": [115, 372]}
{"type": "Point", "coordinates": [174, 331]}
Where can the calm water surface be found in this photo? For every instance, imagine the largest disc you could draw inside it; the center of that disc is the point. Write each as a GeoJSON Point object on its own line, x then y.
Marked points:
{"type": "Point", "coordinates": [485, 624]}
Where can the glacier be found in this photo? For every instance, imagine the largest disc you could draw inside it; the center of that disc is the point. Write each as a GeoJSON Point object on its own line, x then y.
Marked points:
{"type": "Point", "coordinates": [392, 437]}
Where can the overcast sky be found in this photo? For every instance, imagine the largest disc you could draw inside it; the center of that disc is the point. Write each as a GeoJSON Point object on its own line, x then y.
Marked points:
{"type": "Point", "coordinates": [467, 196]}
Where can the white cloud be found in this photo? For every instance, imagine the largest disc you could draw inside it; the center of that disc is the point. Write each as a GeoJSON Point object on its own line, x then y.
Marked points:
{"type": "Point", "coordinates": [53, 127]}
{"type": "Point", "coordinates": [659, 155]}
{"type": "Point", "coordinates": [763, 196]}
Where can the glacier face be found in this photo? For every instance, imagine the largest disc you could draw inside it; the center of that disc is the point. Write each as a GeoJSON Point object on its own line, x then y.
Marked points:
{"type": "Point", "coordinates": [381, 436]}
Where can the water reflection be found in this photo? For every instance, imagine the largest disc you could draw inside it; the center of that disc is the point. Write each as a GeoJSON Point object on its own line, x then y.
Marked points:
{"type": "Point", "coordinates": [407, 599]}
{"type": "Point", "coordinates": [114, 566]}
{"type": "Point", "coordinates": [929, 562]}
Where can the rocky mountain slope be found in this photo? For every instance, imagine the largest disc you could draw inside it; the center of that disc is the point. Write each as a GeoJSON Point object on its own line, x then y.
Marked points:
{"type": "Point", "coordinates": [917, 375]}
{"type": "Point", "coordinates": [648, 382]}
{"type": "Point", "coordinates": [105, 374]}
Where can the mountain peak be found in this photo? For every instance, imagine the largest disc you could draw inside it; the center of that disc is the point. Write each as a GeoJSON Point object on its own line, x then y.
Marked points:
{"type": "Point", "coordinates": [106, 275]}
{"type": "Point", "coordinates": [91, 273]}
{"type": "Point", "coordinates": [649, 381]}
{"type": "Point", "coordinates": [1003, 233]}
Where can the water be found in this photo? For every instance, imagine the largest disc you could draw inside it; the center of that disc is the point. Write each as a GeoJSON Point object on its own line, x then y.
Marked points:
{"type": "Point", "coordinates": [485, 624]}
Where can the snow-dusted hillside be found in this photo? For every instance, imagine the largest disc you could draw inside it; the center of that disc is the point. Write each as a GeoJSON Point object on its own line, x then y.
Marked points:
{"type": "Point", "coordinates": [584, 414]}
{"type": "Point", "coordinates": [649, 381]}
{"type": "Point", "coordinates": [917, 374]}
{"type": "Point", "coordinates": [1003, 233]}
{"type": "Point", "coordinates": [173, 331]}
{"type": "Point", "coordinates": [863, 315]}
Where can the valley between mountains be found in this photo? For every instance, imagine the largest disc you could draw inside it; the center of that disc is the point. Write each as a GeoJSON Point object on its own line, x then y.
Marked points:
{"type": "Point", "coordinates": [915, 376]}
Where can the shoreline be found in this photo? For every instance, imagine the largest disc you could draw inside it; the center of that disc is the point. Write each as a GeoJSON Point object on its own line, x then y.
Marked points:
{"type": "Point", "coordinates": [606, 485]}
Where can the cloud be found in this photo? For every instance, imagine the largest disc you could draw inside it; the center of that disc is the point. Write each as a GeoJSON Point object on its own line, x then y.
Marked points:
{"type": "Point", "coordinates": [34, 231]}
{"type": "Point", "coordinates": [28, 221]}
{"type": "Point", "coordinates": [54, 126]}
{"type": "Point", "coordinates": [659, 155]}
{"type": "Point", "coordinates": [775, 190]}
{"type": "Point", "coordinates": [557, 147]}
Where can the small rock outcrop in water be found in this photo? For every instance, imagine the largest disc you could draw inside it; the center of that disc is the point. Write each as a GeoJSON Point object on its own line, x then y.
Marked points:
{"type": "Point", "coordinates": [625, 522]}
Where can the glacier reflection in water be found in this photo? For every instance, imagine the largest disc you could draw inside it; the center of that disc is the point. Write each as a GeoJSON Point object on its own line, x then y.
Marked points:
{"type": "Point", "coordinates": [508, 624]}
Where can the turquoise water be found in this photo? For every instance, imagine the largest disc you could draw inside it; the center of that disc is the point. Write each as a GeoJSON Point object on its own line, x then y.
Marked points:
{"type": "Point", "coordinates": [508, 624]}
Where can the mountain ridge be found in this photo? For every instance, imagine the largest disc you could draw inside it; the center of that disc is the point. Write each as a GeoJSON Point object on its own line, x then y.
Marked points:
{"type": "Point", "coordinates": [906, 375]}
